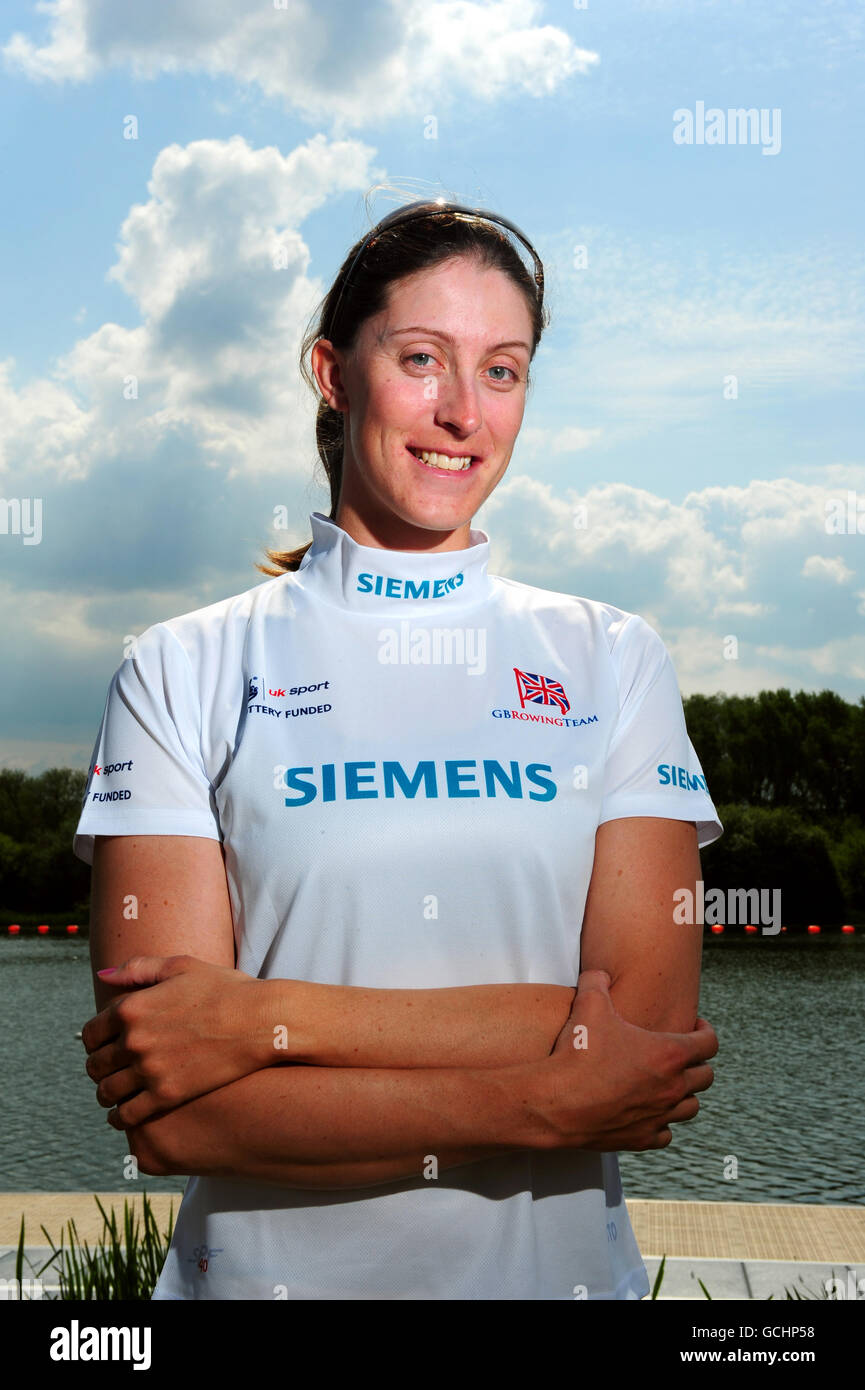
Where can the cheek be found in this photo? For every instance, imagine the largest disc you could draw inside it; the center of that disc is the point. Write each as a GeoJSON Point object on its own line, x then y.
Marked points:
{"type": "Point", "coordinates": [506, 420]}
{"type": "Point", "coordinates": [395, 401]}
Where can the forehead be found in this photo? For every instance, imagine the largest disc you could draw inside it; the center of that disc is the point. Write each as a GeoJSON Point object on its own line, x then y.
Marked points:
{"type": "Point", "coordinates": [459, 295]}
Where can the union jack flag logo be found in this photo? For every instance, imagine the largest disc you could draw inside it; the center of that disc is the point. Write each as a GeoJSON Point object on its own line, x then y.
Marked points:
{"type": "Point", "coordinates": [540, 690]}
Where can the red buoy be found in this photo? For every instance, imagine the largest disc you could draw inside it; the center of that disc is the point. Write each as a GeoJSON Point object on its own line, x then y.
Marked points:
{"type": "Point", "coordinates": [14, 928]}
{"type": "Point", "coordinates": [813, 931]}
{"type": "Point", "coordinates": [848, 928]}
{"type": "Point", "coordinates": [750, 929]}
{"type": "Point", "coordinates": [72, 928]}
{"type": "Point", "coordinates": [717, 928]}
{"type": "Point", "coordinates": [43, 928]}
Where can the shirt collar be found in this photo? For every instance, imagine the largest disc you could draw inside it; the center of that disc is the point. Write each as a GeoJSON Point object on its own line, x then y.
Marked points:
{"type": "Point", "coordinates": [368, 579]}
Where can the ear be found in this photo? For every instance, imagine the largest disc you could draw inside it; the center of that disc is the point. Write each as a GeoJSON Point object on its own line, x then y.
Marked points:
{"type": "Point", "coordinates": [326, 366]}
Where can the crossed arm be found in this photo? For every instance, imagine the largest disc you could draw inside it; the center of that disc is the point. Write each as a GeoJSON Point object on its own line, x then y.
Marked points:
{"type": "Point", "coordinates": [377, 1079]}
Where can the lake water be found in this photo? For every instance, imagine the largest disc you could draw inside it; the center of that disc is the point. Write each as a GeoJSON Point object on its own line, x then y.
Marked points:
{"type": "Point", "coordinates": [786, 1104]}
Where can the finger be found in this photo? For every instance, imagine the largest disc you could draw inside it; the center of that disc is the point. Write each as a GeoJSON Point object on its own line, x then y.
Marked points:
{"type": "Point", "coordinates": [106, 1059]}
{"type": "Point", "coordinates": [703, 1042]}
{"type": "Point", "coordinates": [597, 980]}
{"type": "Point", "coordinates": [685, 1110]}
{"type": "Point", "coordinates": [103, 1028]}
{"type": "Point", "coordinates": [138, 970]}
{"type": "Point", "coordinates": [120, 1086]}
{"type": "Point", "coordinates": [114, 1120]}
{"type": "Point", "coordinates": [707, 1034]}
{"type": "Point", "coordinates": [698, 1078]}
{"type": "Point", "coordinates": [133, 1111]}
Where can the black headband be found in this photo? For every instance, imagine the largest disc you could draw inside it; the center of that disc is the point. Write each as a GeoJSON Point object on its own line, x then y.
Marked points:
{"type": "Point", "coordinates": [423, 208]}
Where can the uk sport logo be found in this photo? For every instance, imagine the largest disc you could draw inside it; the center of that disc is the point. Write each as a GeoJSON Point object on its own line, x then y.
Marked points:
{"type": "Point", "coordinates": [256, 686]}
{"type": "Point", "coordinates": [540, 690]}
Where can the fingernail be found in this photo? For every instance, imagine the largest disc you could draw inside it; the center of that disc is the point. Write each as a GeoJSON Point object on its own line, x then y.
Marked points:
{"type": "Point", "coordinates": [110, 970]}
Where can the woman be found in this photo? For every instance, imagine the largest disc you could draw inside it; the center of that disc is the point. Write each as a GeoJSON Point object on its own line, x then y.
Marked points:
{"type": "Point", "coordinates": [370, 821]}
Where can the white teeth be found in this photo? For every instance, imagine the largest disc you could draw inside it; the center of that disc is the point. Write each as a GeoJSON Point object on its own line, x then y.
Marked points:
{"type": "Point", "coordinates": [442, 460]}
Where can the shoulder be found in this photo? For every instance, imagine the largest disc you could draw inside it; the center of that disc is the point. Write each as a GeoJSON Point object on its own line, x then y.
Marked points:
{"type": "Point", "coordinates": [207, 632]}
{"type": "Point", "coordinates": [620, 629]}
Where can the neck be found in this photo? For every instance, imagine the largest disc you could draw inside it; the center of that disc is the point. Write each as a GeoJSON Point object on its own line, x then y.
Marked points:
{"type": "Point", "coordinates": [387, 532]}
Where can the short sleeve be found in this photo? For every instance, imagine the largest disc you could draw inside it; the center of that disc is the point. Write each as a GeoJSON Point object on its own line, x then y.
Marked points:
{"type": "Point", "coordinates": [651, 767]}
{"type": "Point", "coordinates": [147, 775]}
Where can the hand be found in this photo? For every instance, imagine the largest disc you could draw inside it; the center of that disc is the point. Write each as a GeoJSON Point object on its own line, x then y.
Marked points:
{"type": "Point", "coordinates": [625, 1086]}
{"type": "Point", "coordinates": [193, 1029]}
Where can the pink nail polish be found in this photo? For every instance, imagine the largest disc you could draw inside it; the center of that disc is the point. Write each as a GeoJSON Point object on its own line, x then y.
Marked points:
{"type": "Point", "coordinates": [110, 970]}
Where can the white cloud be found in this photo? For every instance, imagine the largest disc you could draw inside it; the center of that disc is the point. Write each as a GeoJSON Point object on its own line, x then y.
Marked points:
{"type": "Point", "coordinates": [845, 654]}
{"type": "Point", "coordinates": [653, 332]}
{"type": "Point", "coordinates": [350, 64]}
{"type": "Point", "coordinates": [571, 439]}
{"type": "Point", "coordinates": [41, 425]}
{"type": "Point", "coordinates": [218, 268]}
{"type": "Point", "coordinates": [826, 567]}
{"type": "Point", "coordinates": [726, 561]}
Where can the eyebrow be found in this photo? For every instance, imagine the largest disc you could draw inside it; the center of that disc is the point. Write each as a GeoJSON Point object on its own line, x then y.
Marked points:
{"type": "Point", "coordinates": [435, 333]}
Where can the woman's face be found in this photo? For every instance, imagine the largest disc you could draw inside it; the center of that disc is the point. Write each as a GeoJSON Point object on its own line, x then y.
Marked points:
{"type": "Point", "coordinates": [442, 369]}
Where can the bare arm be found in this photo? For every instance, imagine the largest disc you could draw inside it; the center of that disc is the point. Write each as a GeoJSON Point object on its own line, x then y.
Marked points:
{"type": "Point", "coordinates": [628, 927]}
{"type": "Point", "coordinates": [459, 1026]}
{"type": "Point", "coordinates": [327, 1127]}
{"type": "Point", "coordinates": [156, 895]}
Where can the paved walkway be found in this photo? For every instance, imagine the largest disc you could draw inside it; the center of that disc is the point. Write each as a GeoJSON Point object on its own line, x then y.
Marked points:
{"type": "Point", "coordinates": [740, 1250]}
{"type": "Point", "coordinates": [749, 1230]}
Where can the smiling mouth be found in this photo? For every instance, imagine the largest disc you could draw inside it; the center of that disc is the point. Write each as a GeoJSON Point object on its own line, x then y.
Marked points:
{"type": "Point", "coordinates": [459, 464]}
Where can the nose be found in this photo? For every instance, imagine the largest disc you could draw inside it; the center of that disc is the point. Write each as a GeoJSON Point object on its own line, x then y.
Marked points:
{"type": "Point", "coordinates": [458, 405]}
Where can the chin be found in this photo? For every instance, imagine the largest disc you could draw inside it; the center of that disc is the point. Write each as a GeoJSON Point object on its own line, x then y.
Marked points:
{"type": "Point", "coordinates": [439, 518]}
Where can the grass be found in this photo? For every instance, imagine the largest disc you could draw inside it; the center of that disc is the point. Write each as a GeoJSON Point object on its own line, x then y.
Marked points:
{"type": "Point", "coordinates": [793, 1293]}
{"type": "Point", "coordinates": [123, 1265]}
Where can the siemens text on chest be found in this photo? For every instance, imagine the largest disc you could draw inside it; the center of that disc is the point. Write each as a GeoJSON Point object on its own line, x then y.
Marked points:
{"type": "Point", "coordinates": [453, 778]}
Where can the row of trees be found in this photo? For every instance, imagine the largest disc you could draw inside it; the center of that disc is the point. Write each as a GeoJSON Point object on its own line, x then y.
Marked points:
{"type": "Point", "coordinates": [805, 751]}
{"type": "Point", "coordinates": [786, 771]}
{"type": "Point", "coordinates": [38, 815]}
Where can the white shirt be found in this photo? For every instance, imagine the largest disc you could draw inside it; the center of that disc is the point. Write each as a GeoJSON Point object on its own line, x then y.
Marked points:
{"type": "Point", "coordinates": [406, 760]}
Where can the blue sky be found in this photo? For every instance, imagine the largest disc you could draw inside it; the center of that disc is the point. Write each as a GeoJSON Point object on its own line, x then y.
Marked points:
{"type": "Point", "coordinates": [260, 126]}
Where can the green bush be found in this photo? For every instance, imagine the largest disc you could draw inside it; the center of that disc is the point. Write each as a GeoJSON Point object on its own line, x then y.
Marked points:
{"type": "Point", "coordinates": [123, 1265]}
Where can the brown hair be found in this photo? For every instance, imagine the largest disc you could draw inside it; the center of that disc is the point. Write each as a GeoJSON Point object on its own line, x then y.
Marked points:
{"type": "Point", "coordinates": [399, 251]}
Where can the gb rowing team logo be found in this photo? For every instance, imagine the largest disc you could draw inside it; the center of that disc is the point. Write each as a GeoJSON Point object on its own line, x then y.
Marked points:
{"type": "Point", "coordinates": [535, 689]}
